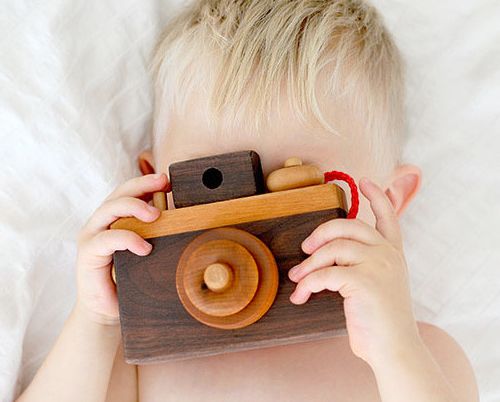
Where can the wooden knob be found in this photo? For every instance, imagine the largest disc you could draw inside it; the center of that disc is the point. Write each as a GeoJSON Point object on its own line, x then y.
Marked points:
{"type": "Point", "coordinates": [160, 200]}
{"type": "Point", "coordinates": [252, 289]}
{"type": "Point", "coordinates": [294, 175]}
{"type": "Point", "coordinates": [218, 277]}
{"type": "Point", "coordinates": [293, 161]}
{"type": "Point", "coordinates": [220, 256]}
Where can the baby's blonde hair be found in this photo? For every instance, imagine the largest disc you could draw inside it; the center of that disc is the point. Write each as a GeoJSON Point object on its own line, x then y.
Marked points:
{"type": "Point", "coordinates": [240, 54]}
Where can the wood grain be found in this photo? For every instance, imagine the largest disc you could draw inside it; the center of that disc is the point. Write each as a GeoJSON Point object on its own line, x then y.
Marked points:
{"type": "Point", "coordinates": [240, 210]}
{"type": "Point", "coordinates": [267, 285]}
{"type": "Point", "coordinates": [157, 328]}
{"type": "Point", "coordinates": [160, 200]}
{"type": "Point", "coordinates": [216, 178]}
{"type": "Point", "coordinates": [239, 262]}
{"type": "Point", "coordinates": [294, 176]}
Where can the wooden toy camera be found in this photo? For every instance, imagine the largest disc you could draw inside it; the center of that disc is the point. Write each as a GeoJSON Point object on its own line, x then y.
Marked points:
{"type": "Point", "coordinates": [216, 280]}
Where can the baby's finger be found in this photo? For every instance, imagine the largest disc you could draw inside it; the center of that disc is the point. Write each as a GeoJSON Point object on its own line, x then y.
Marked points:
{"type": "Point", "coordinates": [354, 229]}
{"type": "Point", "coordinates": [387, 220]}
{"type": "Point", "coordinates": [139, 186]}
{"type": "Point", "coordinates": [98, 251]}
{"type": "Point", "coordinates": [337, 252]}
{"type": "Point", "coordinates": [331, 278]}
{"type": "Point", "coordinates": [111, 210]}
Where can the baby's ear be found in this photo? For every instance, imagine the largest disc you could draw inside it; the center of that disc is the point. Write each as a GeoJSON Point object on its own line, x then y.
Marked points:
{"type": "Point", "coordinates": [404, 185]}
{"type": "Point", "coordinates": [146, 162]}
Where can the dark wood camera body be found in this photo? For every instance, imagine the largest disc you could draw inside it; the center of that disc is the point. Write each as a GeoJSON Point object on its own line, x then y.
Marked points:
{"type": "Point", "coordinates": [155, 325]}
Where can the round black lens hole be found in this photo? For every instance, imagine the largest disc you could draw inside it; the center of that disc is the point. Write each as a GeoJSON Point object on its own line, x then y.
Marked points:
{"type": "Point", "coordinates": [212, 178]}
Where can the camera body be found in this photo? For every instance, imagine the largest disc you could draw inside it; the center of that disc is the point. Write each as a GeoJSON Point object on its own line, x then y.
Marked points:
{"type": "Point", "coordinates": [217, 280]}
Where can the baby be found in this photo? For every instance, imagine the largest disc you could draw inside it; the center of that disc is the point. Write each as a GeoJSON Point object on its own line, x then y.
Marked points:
{"type": "Point", "coordinates": [320, 80]}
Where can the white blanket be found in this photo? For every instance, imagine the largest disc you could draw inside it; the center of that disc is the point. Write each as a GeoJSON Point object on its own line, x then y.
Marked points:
{"type": "Point", "coordinates": [76, 103]}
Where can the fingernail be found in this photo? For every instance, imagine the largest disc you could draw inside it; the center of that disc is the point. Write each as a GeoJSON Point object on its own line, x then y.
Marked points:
{"type": "Point", "coordinates": [293, 272]}
{"type": "Point", "coordinates": [366, 181]}
{"type": "Point", "coordinates": [148, 246]}
{"type": "Point", "coordinates": [294, 298]}
{"type": "Point", "coordinates": [156, 176]}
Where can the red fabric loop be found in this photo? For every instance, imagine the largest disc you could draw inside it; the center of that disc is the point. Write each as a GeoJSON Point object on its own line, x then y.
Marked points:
{"type": "Point", "coordinates": [335, 175]}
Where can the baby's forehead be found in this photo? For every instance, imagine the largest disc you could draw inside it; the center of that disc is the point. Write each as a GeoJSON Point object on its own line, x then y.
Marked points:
{"type": "Point", "coordinates": [192, 135]}
{"type": "Point", "coordinates": [282, 121]}
{"type": "Point", "coordinates": [204, 129]}
{"type": "Point", "coordinates": [193, 131]}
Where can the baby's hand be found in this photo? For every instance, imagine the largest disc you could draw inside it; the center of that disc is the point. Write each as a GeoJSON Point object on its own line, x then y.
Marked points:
{"type": "Point", "coordinates": [97, 243]}
{"type": "Point", "coordinates": [367, 266]}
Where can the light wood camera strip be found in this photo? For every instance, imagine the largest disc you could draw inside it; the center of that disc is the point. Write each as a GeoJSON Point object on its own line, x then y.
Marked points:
{"type": "Point", "coordinates": [239, 210]}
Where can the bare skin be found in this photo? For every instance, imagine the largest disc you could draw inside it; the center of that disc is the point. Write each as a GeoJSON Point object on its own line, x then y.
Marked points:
{"type": "Point", "coordinates": [320, 370]}
{"type": "Point", "coordinates": [324, 370]}
{"type": "Point", "coordinates": [386, 356]}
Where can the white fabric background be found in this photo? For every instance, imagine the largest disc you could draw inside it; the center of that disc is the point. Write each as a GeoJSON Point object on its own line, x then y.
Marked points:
{"type": "Point", "coordinates": [75, 104]}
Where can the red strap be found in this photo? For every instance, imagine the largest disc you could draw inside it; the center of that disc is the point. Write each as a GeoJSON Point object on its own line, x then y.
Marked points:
{"type": "Point", "coordinates": [335, 175]}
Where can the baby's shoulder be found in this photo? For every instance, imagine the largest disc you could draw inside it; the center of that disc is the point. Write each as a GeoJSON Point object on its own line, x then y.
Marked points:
{"type": "Point", "coordinates": [451, 357]}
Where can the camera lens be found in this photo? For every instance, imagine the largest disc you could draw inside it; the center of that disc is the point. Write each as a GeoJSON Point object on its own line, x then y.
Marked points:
{"type": "Point", "coordinates": [212, 178]}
